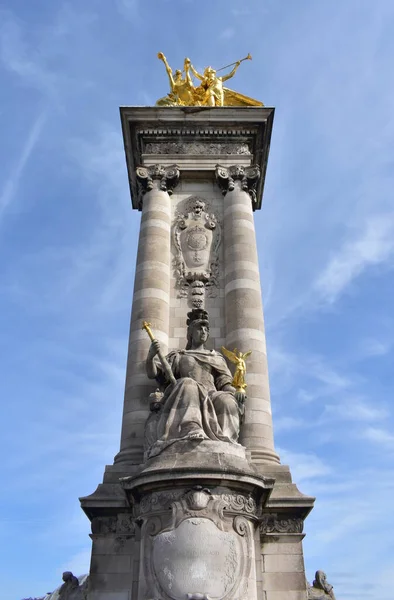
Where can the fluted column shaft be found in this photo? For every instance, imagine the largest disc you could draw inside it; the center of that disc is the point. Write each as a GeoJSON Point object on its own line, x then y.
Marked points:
{"type": "Point", "coordinates": [151, 303]}
{"type": "Point", "coordinates": [244, 316]}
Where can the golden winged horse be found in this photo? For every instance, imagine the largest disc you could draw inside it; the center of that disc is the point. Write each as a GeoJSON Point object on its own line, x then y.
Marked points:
{"type": "Point", "coordinates": [238, 358]}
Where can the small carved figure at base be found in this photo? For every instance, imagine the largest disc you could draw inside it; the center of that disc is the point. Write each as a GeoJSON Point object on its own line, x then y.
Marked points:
{"type": "Point", "coordinates": [321, 589]}
{"type": "Point", "coordinates": [71, 590]}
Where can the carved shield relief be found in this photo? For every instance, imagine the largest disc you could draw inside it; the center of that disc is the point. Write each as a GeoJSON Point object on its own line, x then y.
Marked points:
{"type": "Point", "coordinates": [201, 552]}
{"type": "Point", "coordinates": [197, 558]}
{"type": "Point", "coordinates": [196, 238]}
{"type": "Point", "coordinates": [196, 242]}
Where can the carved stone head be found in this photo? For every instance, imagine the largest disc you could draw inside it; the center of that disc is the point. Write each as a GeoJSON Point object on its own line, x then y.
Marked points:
{"type": "Point", "coordinates": [198, 207]}
{"type": "Point", "coordinates": [195, 318]}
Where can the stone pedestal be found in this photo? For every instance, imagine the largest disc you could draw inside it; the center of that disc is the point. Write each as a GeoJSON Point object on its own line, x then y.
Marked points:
{"type": "Point", "coordinates": [202, 519]}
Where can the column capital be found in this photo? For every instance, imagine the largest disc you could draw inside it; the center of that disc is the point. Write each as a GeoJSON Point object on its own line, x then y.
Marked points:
{"type": "Point", "coordinates": [248, 176]}
{"type": "Point", "coordinates": [167, 178]}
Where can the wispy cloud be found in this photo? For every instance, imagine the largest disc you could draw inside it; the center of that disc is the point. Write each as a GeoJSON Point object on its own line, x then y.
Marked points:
{"type": "Point", "coordinates": [303, 466]}
{"type": "Point", "coordinates": [10, 188]}
{"type": "Point", "coordinates": [77, 563]}
{"type": "Point", "coordinates": [128, 8]}
{"type": "Point", "coordinates": [227, 33]}
{"type": "Point", "coordinates": [379, 436]}
{"type": "Point", "coordinates": [102, 162]}
{"type": "Point", "coordinates": [38, 55]}
{"type": "Point", "coordinates": [374, 347]}
{"type": "Point", "coordinates": [374, 245]}
{"type": "Point", "coordinates": [355, 409]}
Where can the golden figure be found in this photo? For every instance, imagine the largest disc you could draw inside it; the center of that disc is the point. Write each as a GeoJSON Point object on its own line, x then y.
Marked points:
{"type": "Point", "coordinates": [210, 92]}
{"type": "Point", "coordinates": [181, 88]}
{"type": "Point", "coordinates": [238, 358]}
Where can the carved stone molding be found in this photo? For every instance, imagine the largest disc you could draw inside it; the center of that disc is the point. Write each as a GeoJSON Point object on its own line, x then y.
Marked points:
{"type": "Point", "coordinates": [167, 178]}
{"type": "Point", "coordinates": [103, 525]}
{"type": "Point", "coordinates": [123, 523]}
{"type": "Point", "coordinates": [197, 148]}
{"type": "Point", "coordinates": [274, 523]}
{"type": "Point", "coordinates": [155, 502]}
{"type": "Point", "coordinates": [196, 238]}
{"type": "Point", "coordinates": [248, 176]}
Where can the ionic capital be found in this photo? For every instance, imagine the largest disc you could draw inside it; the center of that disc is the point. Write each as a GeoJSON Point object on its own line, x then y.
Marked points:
{"type": "Point", "coordinates": [248, 177]}
{"type": "Point", "coordinates": [166, 178]}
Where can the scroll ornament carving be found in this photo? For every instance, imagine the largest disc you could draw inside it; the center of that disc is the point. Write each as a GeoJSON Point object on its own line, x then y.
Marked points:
{"type": "Point", "coordinates": [197, 499]}
{"type": "Point", "coordinates": [167, 177]}
{"type": "Point", "coordinates": [275, 524]}
{"type": "Point", "coordinates": [196, 237]}
{"type": "Point", "coordinates": [248, 176]}
{"type": "Point", "coordinates": [241, 503]}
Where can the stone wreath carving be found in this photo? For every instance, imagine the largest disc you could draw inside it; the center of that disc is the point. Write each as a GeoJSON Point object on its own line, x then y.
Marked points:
{"type": "Point", "coordinates": [196, 237]}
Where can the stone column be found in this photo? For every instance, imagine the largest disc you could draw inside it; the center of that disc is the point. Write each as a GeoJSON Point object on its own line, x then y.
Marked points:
{"type": "Point", "coordinates": [243, 305]}
{"type": "Point", "coordinates": [150, 301]}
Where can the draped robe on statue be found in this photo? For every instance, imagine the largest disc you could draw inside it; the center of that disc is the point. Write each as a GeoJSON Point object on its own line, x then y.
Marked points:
{"type": "Point", "coordinates": [195, 406]}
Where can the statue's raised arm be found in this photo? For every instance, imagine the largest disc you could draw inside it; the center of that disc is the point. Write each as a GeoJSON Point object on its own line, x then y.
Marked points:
{"type": "Point", "coordinates": [196, 73]}
{"type": "Point", "coordinates": [232, 73]}
{"type": "Point", "coordinates": [161, 56]}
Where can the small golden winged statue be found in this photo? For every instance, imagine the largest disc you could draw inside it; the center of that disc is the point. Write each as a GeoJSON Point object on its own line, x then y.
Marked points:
{"type": "Point", "coordinates": [238, 358]}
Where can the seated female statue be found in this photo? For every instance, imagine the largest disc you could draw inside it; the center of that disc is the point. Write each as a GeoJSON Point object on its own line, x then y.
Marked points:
{"type": "Point", "coordinates": [201, 404]}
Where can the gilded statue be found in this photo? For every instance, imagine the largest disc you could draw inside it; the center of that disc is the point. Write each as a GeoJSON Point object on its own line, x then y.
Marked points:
{"type": "Point", "coordinates": [199, 401]}
{"type": "Point", "coordinates": [209, 92]}
{"type": "Point", "coordinates": [181, 87]}
{"type": "Point", "coordinates": [238, 358]}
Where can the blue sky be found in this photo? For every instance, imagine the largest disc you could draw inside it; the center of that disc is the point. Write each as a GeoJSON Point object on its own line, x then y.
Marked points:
{"type": "Point", "coordinates": [68, 242]}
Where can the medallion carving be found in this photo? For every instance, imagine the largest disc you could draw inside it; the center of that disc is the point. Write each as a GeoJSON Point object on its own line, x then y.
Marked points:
{"type": "Point", "coordinates": [196, 237]}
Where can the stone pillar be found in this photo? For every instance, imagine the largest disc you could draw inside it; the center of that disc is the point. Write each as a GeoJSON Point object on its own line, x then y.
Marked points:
{"type": "Point", "coordinates": [243, 305]}
{"type": "Point", "coordinates": [150, 301]}
{"type": "Point", "coordinates": [282, 561]}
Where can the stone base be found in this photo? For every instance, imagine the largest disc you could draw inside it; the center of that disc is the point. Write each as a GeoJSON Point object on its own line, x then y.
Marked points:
{"type": "Point", "coordinates": [198, 507]}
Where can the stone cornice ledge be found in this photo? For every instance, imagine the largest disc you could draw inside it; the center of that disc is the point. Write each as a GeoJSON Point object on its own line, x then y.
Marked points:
{"type": "Point", "coordinates": [228, 134]}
